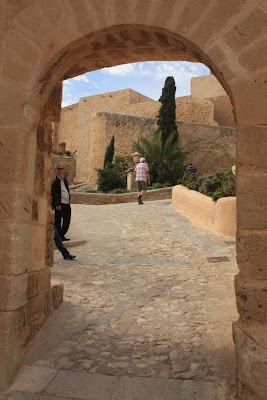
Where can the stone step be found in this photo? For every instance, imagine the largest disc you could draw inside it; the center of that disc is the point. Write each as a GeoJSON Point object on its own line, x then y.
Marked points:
{"type": "Point", "coordinates": [41, 383]}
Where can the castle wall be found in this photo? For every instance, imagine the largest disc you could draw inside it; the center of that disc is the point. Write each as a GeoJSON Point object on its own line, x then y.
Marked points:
{"type": "Point", "coordinates": [209, 88]}
{"type": "Point", "coordinates": [83, 140]}
{"type": "Point", "coordinates": [76, 121]}
{"type": "Point", "coordinates": [210, 147]}
{"type": "Point", "coordinates": [188, 108]}
{"type": "Point", "coordinates": [223, 111]}
{"type": "Point", "coordinates": [125, 128]}
{"type": "Point", "coordinates": [75, 127]}
{"type": "Point", "coordinates": [67, 128]}
{"type": "Point", "coordinates": [206, 86]}
{"type": "Point", "coordinates": [118, 101]}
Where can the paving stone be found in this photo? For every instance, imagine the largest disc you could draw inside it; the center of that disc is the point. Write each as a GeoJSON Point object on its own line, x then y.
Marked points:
{"type": "Point", "coordinates": [141, 302]}
{"type": "Point", "coordinates": [23, 396]}
{"type": "Point", "coordinates": [82, 386]}
{"type": "Point", "coordinates": [147, 388]}
{"type": "Point", "coordinates": [33, 379]}
{"type": "Point", "coordinates": [53, 398]}
{"type": "Point", "coordinates": [200, 390]}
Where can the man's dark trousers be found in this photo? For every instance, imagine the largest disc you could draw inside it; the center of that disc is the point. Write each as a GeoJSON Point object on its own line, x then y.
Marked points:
{"type": "Point", "coordinates": [64, 215]}
{"type": "Point", "coordinates": [59, 244]}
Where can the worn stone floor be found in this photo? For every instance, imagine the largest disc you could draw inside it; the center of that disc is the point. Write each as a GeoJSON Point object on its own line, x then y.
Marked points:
{"type": "Point", "coordinates": [145, 316]}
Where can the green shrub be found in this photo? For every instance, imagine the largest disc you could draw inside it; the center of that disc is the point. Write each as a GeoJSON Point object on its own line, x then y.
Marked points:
{"type": "Point", "coordinates": [165, 161]}
{"type": "Point", "coordinates": [123, 163]}
{"type": "Point", "coordinates": [190, 181]}
{"type": "Point", "coordinates": [192, 185]}
{"type": "Point", "coordinates": [110, 178]}
{"type": "Point", "coordinates": [119, 191]}
{"type": "Point", "coordinates": [157, 186]}
{"type": "Point", "coordinates": [167, 184]}
{"type": "Point", "coordinates": [222, 184]}
{"type": "Point", "coordinates": [113, 175]}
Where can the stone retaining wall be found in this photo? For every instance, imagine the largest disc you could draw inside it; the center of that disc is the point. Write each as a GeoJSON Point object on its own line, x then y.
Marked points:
{"type": "Point", "coordinates": [103, 198]}
{"type": "Point", "coordinates": [220, 216]}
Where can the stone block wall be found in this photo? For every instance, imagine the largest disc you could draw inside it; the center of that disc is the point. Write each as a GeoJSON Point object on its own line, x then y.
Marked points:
{"type": "Point", "coordinates": [206, 86]}
{"type": "Point", "coordinates": [39, 296]}
{"type": "Point", "coordinates": [125, 128]}
{"type": "Point", "coordinates": [118, 101]}
{"type": "Point", "coordinates": [188, 108]}
{"type": "Point", "coordinates": [209, 88]}
{"type": "Point", "coordinates": [223, 111]}
{"type": "Point", "coordinates": [210, 147]}
{"type": "Point", "coordinates": [83, 141]}
{"type": "Point", "coordinates": [67, 128]}
{"type": "Point", "coordinates": [27, 243]}
{"type": "Point", "coordinates": [194, 109]}
{"type": "Point", "coordinates": [75, 127]}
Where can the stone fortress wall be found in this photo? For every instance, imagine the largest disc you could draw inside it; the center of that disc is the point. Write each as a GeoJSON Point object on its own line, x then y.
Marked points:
{"type": "Point", "coordinates": [210, 147]}
{"type": "Point", "coordinates": [223, 111]}
{"type": "Point", "coordinates": [188, 108]}
{"type": "Point", "coordinates": [209, 88]}
{"type": "Point", "coordinates": [67, 128]}
{"type": "Point", "coordinates": [118, 101]}
{"type": "Point", "coordinates": [84, 129]}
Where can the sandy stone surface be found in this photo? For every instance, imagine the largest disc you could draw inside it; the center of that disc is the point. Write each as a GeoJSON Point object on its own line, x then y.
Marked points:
{"type": "Point", "coordinates": [141, 301]}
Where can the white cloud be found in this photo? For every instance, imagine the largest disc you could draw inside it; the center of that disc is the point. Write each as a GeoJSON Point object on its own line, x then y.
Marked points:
{"type": "Point", "coordinates": [136, 70]}
{"type": "Point", "coordinates": [67, 103]}
{"type": "Point", "coordinates": [145, 77]}
{"type": "Point", "coordinates": [178, 71]}
{"type": "Point", "coordinates": [144, 70]}
{"type": "Point", "coordinates": [81, 78]}
{"type": "Point", "coordinates": [157, 70]}
{"type": "Point", "coordinates": [124, 69]}
{"type": "Point", "coordinates": [94, 84]}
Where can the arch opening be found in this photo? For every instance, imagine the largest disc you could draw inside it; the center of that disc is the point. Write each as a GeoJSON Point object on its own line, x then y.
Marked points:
{"type": "Point", "coordinates": [110, 47]}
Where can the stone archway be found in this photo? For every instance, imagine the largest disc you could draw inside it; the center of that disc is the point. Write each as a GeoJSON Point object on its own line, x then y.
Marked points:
{"type": "Point", "coordinates": [45, 43]}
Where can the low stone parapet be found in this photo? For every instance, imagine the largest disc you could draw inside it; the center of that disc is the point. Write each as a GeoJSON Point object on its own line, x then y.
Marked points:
{"type": "Point", "coordinates": [103, 198]}
{"type": "Point", "coordinates": [219, 216]}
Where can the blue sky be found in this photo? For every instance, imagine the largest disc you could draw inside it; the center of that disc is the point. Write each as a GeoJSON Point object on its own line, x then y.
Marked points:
{"type": "Point", "coordinates": [145, 77]}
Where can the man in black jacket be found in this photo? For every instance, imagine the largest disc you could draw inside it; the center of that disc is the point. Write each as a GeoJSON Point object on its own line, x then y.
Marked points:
{"type": "Point", "coordinates": [61, 201]}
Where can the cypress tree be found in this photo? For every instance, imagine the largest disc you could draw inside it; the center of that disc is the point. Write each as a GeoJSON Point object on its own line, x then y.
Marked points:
{"type": "Point", "coordinates": [166, 121]}
{"type": "Point", "coordinates": [109, 153]}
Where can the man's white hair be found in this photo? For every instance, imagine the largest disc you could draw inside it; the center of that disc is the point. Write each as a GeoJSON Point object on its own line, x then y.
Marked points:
{"type": "Point", "coordinates": [58, 164]}
{"type": "Point", "coordinates": [142, 159]}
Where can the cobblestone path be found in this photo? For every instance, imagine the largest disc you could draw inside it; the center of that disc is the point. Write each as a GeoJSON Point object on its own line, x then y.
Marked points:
{"type": "Point", "coordinates": [141, 300]}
